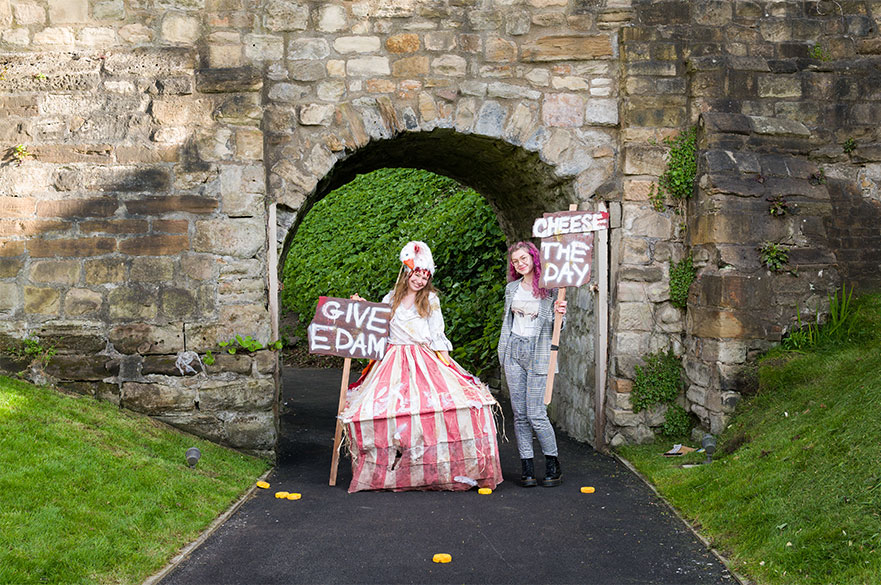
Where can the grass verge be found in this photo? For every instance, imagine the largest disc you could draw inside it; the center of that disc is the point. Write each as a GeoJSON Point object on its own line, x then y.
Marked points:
{"type": "Point", "coordinates": [793, 495]}
{"type": "Point", "coordinates": [90, 493]}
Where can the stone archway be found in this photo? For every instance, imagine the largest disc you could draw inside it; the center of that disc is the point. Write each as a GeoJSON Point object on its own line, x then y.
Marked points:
{"type": "Point", "coordinates": [519, 185]}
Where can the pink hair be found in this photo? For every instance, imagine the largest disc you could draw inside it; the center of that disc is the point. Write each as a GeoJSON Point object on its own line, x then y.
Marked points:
{"type": "Point", "coordinates": [537, 291]}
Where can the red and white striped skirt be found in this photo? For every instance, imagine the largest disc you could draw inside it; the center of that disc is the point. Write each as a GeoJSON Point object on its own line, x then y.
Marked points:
{"type": "Point", "coordinates": [415, 423]}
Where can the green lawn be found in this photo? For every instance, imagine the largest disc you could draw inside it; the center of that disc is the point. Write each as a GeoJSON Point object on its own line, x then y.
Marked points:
{"type": "Point", "coordinates": [90, 493]}
{"type": "Point", "coordinates": [799, 501]}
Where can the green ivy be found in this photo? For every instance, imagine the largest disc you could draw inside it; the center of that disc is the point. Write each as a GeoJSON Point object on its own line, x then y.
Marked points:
{"type": "Point", "coordinates": [677, 422]}
{"type": "Point", "coordinates": [678, 177]}
{"type": "Point", "coordinates": [681, 276]}
{"type": "Point", "coordinates": [350, 241]}
{"type": "Point", "coordinates": [659, 382]}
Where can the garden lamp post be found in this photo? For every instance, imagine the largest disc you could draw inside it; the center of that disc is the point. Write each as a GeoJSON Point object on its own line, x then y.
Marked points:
{"type": "Point", "coordinates": [193, 455]}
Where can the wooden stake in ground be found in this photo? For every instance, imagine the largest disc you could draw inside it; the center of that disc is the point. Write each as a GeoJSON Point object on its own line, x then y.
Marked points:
{"type": "Point", "coordinates": [555, 342]}
{"type": "Point", "coordinates": [338, 434]}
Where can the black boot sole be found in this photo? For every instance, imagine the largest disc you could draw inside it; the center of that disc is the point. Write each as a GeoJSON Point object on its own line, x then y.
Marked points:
{"type": "Point", "coordinates": [552, 482]}
{"type": "Point", "coordinates": [530, 482]}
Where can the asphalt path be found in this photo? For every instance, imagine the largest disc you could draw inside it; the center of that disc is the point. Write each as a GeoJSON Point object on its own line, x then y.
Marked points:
{"type": "Point", "coordinates": [620, 534]}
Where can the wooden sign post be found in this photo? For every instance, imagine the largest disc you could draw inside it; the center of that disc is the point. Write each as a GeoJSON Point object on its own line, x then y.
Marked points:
{"type": "Point", "coordinates": [347, 328]}
{"type": "Point", "coordinates": [566, 257]}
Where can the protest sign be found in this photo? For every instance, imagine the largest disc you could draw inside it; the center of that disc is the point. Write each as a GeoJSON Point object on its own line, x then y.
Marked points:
{"type": "Point", "coordinates": [349, 328]}
{"type": "Point", "coordinates": [566, 257]}
{"type": "Point", "coordinates": [567, 246]}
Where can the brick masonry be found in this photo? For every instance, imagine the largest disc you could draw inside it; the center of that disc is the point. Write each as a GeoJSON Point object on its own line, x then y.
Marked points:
{"type": "Point", "coordinates": [156, 143]}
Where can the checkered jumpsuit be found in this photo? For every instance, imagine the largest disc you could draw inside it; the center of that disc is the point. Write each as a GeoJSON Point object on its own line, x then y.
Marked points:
{"type": "Point", "coordinates": [525, 361]}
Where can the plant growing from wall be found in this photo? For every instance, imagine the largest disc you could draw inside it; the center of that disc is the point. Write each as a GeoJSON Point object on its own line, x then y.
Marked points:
{"type": "Point", "coordinates": [773, 256]}
{"type": "Point", "coordinates": [248, 343]}
{"type": "Point", "coordinates": [682, 274]}
{"type": "Point", "coordinates": [659, 382]}
{"type": "Point", "coordinates": [19, 153]}
{"type": "Point", "coordinates": [678, 177]}
{"type": "Point", "coordinates": [778, 206]}
{"type": "Point", "coordinates": [819, 53]}
{"type": "Point", "coordinates": [31, 348]}
{"type": "Point", "coordinates": [677, 422]}
{"type": "Point", "coordinates": [849, 146]}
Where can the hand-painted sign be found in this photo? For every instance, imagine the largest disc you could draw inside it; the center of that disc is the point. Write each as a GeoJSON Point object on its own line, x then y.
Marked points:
{"type": "Point", "coordinates": [349, 328]}
{"type": "Point", "coordinates": [567, 246]}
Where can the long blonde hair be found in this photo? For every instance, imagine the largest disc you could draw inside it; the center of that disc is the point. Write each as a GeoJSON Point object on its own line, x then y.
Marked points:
{"type": "Point", "coordinates": [401, 288]}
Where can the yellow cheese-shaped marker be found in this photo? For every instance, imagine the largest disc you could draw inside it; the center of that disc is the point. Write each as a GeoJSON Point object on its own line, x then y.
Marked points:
{"type": "Point", "coordinates": [587, 490]}
{"type": "Point", "coordinates": [295, 496]}
{"type": "Point", "coordinates": [281, 495]}
{"type": "Point", "coordinates": [262, 484]}
{"type": "Point", "coordinates": [442, 558]}
{"type": "Point", "coordinates": [484, 491]}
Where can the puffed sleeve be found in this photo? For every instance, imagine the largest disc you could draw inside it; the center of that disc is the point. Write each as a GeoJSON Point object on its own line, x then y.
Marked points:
{"type": "Point", "coordinates": [387, 299]}
{"type": "Point", "coordinates": [439, 341]}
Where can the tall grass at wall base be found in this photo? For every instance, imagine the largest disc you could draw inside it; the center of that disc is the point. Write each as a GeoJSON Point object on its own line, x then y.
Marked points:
{"type": "Point", "coordinates": [793, 496]}
{"type": "Point", "coordinates": [93, 494]}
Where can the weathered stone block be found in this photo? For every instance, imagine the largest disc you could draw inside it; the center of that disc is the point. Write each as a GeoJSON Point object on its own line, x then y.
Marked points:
{"type": "Point", "coordinates": [511, 91]}
{"type": "Point", "coordinates": [634, 317]}
{"type": "Point", "coordinates": [41, 301]}
{"type": "Point", "coordinates": [404, 43]}
{"type": "Point", "coordinates": [410, 66]}
{"type": "Point", "coordinates": [282, 16]}
{"type": "Point", "coordinates": [358, 44]}
{"type": "Point", "coordinates": [132, 303]}
{"type": "Point", "coordinates": [180, 28]}
{"type": "Point", "coordinates": [82, 301]}
{"type": "Point", "coordinates": [143, 338]}
{"type": "Point", "coordinates": [451, 65]}
{"type": "Point", "coordinates": [55, 272]}
{"type": "Point", "coordinates": [497, 49]}
{"type": "Point", "coordinates": [78, 367]}
{"type": "Point", "coordinates": [368, 66]}
{"type": "Point", "coordinates": [71, 248]}
{"type": "Point", "coordinates": [241, 238]}
{"type": "Point", "coordinates": [567, 48]}
{"type": "Point", "coordinates": [601, 112]}
{"type": "Point", "coordinates": [156, 398]}
{"type": "Point", "coordinates": [332, 18]}
{"type": "Point", "coordinates": [152, 269]}
{"type": "Point", "coordinates": [563, 109]}
{"type": "Point", "coordinates": [229, 79]}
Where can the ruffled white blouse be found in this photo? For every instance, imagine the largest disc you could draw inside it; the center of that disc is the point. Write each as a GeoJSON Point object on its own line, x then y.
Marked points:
{"type": "Point", "coordinates": [407, 327]}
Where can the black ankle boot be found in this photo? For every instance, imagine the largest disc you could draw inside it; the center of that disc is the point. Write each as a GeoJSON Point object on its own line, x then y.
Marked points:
{"type": "Point", "coordinates": [528, 477]}
{"type": "Point", "coordinates": [554, 474]}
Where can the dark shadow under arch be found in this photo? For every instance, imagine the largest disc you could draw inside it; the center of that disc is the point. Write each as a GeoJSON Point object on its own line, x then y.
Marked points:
{"type": "Point", "coordinates": [516, 183]}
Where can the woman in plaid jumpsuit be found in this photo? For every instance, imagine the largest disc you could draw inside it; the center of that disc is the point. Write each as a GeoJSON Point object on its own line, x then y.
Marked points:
{"type": "Point", "coordinates": [524, 352]}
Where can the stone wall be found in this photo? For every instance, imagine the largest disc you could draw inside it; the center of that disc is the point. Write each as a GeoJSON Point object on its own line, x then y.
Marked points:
{"type": "Point", "coordinates": [168, 153]}
{"type": "Point", "coordinates": [776, 89]}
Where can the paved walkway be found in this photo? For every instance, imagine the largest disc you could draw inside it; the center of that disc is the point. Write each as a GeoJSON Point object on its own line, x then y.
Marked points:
{"type": "Point", "coordinates": [620, 534]}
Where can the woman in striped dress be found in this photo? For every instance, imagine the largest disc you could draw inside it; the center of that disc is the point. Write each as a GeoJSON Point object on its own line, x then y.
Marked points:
{"type": "Point", "coordinates": [417, 420]}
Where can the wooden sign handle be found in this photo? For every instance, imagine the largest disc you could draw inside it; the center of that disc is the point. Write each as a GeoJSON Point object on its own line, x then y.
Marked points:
{"type": "Point", "coordinates": [555, 341]}
{"type": "Point", "coordinates": [338, 435]}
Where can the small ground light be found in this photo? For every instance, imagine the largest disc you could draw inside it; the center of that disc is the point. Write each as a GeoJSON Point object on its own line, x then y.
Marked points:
{"type": "Point", "coordinates": [193, 456]}
{"type": "Point", "coordinates": [709, 445]}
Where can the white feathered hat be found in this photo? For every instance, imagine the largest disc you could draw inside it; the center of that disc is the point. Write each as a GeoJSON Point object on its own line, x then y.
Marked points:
{"type": "Point", "coordinates": [417, 255]}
